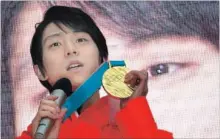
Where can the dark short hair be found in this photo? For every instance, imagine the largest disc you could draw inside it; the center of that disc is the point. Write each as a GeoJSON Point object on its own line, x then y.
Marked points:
{"type": "Point", "coordinates": [147, 19]}
{"type": "Point", "coordinates": [73, 18]}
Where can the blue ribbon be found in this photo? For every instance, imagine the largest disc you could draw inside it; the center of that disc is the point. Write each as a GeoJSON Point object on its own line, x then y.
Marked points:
{"type": "Point", "coordinates": [88, 88]}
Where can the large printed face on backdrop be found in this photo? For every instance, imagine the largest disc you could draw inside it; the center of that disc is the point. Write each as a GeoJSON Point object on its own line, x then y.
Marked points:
{"type": "Point", "coordinates": [183, 77]}
{"type": "Point", "coordinates": [183, 84]}
{"type": "Point", "coordinates": [27, 90]}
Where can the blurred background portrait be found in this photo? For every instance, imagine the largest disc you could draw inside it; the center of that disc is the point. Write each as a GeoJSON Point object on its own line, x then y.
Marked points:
{"type": "Point", "coordinates": [177, 43]}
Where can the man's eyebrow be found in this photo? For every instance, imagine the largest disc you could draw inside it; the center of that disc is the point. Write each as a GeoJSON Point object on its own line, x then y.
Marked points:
{"type": "Point", "coordinates": [50, 36]}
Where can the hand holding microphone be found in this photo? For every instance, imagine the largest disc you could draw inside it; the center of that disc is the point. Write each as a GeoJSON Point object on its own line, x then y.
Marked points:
{"type": "Point", "coordinates": [47, 121]}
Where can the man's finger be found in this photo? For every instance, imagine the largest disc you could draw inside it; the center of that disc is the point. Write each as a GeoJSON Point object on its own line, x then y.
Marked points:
{"type": "Point", "coordinates": [142, 75]}
{"type": "Point", "coordinates": [142, 87]}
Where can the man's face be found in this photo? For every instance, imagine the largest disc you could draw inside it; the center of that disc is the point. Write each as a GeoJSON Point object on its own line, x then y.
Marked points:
{"type": "Point", "coordinates": [183, 83]}
{"type": "Point", "coordinates": [73, 55]}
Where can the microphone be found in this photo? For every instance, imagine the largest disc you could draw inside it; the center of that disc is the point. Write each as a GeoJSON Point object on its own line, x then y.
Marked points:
{"type": "Point", "coordinates": [62, 89]}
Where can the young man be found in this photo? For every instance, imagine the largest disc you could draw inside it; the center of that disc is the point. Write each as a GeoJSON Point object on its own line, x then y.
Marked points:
{"type": "Point", "coordinates": [68, 44]}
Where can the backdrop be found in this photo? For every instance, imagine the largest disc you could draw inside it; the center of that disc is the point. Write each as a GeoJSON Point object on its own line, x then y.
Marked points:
{"type": "Point", "coordinates": [176, 42]}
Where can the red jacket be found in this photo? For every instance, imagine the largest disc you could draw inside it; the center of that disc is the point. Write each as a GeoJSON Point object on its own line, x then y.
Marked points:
{"type": "Point", "coordinates": [133, 121]}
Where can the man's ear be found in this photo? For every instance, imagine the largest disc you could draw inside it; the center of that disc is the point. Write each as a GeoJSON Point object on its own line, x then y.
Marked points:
{"type": "Point", "coordinates": [39, 73]}
{"type": "Point", "coordinates": [105, 59]}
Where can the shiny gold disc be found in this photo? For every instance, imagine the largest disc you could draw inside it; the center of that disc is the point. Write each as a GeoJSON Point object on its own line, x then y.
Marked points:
{"type": "Point", "coordinates": [113, 82]}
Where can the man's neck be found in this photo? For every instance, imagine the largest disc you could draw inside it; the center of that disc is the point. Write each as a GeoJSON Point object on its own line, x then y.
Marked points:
{"type": "Point", "coordinates": [95, 97]}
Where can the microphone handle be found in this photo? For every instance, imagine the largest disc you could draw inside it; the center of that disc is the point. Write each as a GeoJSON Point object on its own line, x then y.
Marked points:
{"type": "Point", "coordinates": [46, 123]}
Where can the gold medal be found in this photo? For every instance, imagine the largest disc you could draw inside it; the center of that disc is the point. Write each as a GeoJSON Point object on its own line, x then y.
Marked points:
{"type": "Point", "coordinates": [113, 82]}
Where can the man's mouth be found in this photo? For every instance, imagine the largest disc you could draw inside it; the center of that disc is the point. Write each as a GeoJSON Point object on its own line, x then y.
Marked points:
{"type": "Point", "coordinates": [74, 65]}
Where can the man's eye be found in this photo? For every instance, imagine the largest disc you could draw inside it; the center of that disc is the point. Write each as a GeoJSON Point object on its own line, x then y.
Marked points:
{"type": "Point", "coordinates": [164, 68]}
{"type": "Point", "coordinates": [80, 40]}
{"type": "Point", "coordinates": [56, 44]}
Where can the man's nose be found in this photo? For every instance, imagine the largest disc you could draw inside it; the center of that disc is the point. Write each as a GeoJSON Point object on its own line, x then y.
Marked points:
{"type": "Point", "coordinates": [70, 48]}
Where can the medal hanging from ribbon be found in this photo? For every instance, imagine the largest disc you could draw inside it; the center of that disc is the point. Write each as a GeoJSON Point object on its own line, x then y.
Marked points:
{"type": "Point", "coordinates": [113, 82]}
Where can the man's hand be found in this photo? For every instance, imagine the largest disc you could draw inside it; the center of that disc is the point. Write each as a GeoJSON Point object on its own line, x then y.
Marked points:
{"type": "Point", "coordinates": [138, 81]}
{"type": "Point", "coordinates": [48, 108]}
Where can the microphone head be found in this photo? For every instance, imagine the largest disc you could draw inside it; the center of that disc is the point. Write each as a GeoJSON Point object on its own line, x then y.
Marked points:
{"type": "Point", "coordinates": [65, 85]}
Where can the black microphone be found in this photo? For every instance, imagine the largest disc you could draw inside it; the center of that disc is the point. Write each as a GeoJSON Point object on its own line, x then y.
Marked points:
{"type": "Point", "coordinates": [62, 89]}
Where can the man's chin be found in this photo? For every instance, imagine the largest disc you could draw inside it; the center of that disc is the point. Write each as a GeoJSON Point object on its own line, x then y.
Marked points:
{"type": "Point", "coordinates": [76, 84]}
